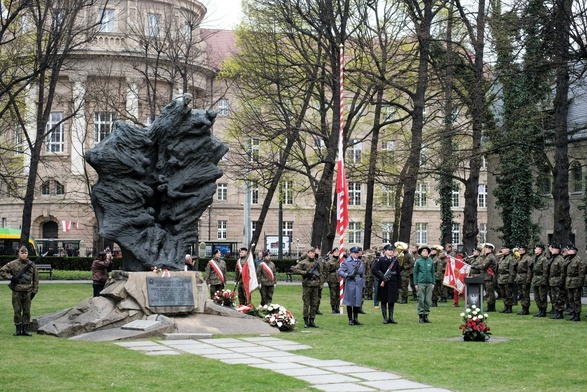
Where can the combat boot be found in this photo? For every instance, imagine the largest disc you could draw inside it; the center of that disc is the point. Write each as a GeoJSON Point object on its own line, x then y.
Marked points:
{"type": "Point", "coordinates": [361, 311]}
{"type": "Point", "coordinates": [421, 318]}
{"type": "Point", "coordinates": [404, 300]}
{"type": "Point", "coordinates": [18, 331]}
{"type": "Point", "coordinates": [390, 320]}
{"type": "Point", "coordinates": [491, 308]}
{"type": "Point", "coordinates": [538, 314]}
{"type": "Point", "coordinates": [572, 318]}
{"type": "Point", "coordinates": [384, 314]}
{"type": "Point", "coordinates": [24, 330]}
{"type": "Point", "coordinates": [426, 319]}
{"type": "Point", "coordinates": [306, 322]}
{"type": "Point", "coordinates": [525, 311]}
{"type": "Point", "coordinates": [434, 304]}
{"type": "Point", "coordinates": [414, 297]}
{"type": "Point", "coordinates": [318, 312]}
{"type": "Point", "coordinates": [557, 315]}
{"type": "Point", "coordinates": [577, 316]}
{"type": "Point", "coordinates": [508, 309]}
{"type": "Point", "coordinates": [504, 310]}
{"type": "Point", "coordinates": [312, 324]}
{"type": "Point", "coordinates": [334, 311]}
{"type": "Point", "coordinates": [542, 313]}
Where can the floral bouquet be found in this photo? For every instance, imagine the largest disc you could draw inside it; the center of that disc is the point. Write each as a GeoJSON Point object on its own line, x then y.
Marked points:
{"type": "Point", "coordinates": [277, 316]}
{"type": "Point", "coordinates": [224, 297]}
{"type": "Point", "coordinates": [474, 327]}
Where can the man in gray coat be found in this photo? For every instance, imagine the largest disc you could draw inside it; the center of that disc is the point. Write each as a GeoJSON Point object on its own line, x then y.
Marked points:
{"type": "Point", "coordinates": [352, 270]}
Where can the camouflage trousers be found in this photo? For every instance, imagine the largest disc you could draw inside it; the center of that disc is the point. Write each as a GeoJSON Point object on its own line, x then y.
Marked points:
{"type": "Point", "coordinates": [266, 294]}
{"type": "Point", "coordinates": [524, 294]}
{"type": "Point", "coordinates": [507, 293]}
{"type": "Point", "coordinates": [214, 288]}
{"type": "Point", "coordinates": [439, 291]}
{"type": "Point", "coordinates": [310, 299]}
{"type": "Point", "coordinates": [334, 289]}
{"type": "Point", "coordinates": [21, 303]}
{"type": "Point", "coordinates": [558, 297]}
{"type": "Point", "coordinates": [403, 291]}
{"type": "Point", "coordinates": [490, 290]}
{"type": "Point", "coordinates": [242, 295]}
{"type": "Point", "coordinates": [541, 296]}
{"type": "Point", "coordinates": [574, 298]}
{"type": "Point", "coordinates": [368, 289]}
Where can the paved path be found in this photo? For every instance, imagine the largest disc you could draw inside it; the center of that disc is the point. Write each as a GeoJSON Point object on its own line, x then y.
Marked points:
{"type": "Point", "coordinates": [276, 355]}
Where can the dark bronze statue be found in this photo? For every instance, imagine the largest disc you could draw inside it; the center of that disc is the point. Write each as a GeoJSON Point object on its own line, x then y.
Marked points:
{"type": "Point", "coordinates": [155, 183]}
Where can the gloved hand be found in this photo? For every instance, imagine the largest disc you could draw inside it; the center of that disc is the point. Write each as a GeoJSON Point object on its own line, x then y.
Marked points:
{"type": "Point", "coordinates": [33, 295]}
{"type": "Point", "coordinates": [14, 280]}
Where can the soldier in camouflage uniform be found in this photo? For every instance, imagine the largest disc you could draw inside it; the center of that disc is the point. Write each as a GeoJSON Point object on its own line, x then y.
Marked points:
{"type": "Point", "coordinates": [489, 265]}
{"type": "Point", "coordinates": [309, 268]}
{"type": "Point", "coordinates": [323, 275]}
{"type": "Point", "coordinates": [369, 290]}
{"type": "Point", "coordinates": [505, 278]}
{"type": "Point", "coordinates": [540, 271]}
{"type": "Point", "coordinates": [475, 261]}
{"type": "Point", "coordinates": [407, 269]}
{"type": "Point", "coordinates": [439, 288]}
{"type": "Point", "coordinates": [333, 281]}
{"type": "Point", "coordinates": [556, 281]}
{"type": "Point", "coordinates": [413, 253]}
{"type": "Point", "coordinates": [524, 279]}
{"type": "Point", "coordinates": [266, 274]}
{"type": "Point", "coordinates": [216, 278]}
{"type": "Point", "coordinates": [575, 277]}
{"type": "Point", "coordinates": [24, 283]}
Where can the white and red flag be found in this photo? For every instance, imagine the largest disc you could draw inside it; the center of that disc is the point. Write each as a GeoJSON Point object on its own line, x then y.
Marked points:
{"type": "Point", "coordinates": [455, 273]}
{"type": "Point", "coordinates": [249, 275]}
{"type": "Point", "coordinates": [342, 191]}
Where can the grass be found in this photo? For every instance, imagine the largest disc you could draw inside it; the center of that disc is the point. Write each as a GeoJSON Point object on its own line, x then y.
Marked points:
{"type": "Point", "coordinates": [539, 354]}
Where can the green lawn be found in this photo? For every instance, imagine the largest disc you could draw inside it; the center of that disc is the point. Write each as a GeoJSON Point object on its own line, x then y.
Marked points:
{"type": "Point", "coordinates": [539, 355]}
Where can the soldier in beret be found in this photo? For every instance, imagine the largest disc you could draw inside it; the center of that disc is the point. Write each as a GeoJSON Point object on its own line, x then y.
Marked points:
{"type": "Point", "coordinates": [24, 283]}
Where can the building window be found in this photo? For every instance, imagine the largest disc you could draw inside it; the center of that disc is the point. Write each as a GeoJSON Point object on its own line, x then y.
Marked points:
{"type": "Point", "coordinates": [576, 178]}
{"type": "Point", "coordinates": [18, 141]}
{"type": "Point", "coordinates": [55, 133]}
{"type": "Point", "coordinates": [287, 192]}
{"type": "Point", "coordinates": [222, 230]}
{"type": "Point", "coordinates": [456, 200]}
{"type": "Point", "coordinates": [483, 232]}
{"type": "Point", "coordinates": [456, 233]}
{"type": "Point", "coordinates": [319, 143]}
{"type": "Point", "coordinates": [254, 187]}
{"type": "Point", "coordinates": [4, 222]}
{"type": "Point", "coordinates": [355, 233]}
{"type": "Point", "coordinates": [59, 188]}
{"type": "Point", "coordinates": [223, 107]}
{"type": "Point", "coordinates": [153, 25]}
{"type": "Point", "coordinates": [45, 188]}
{"type": "Point", "coordinates": [421, 233]}
{"type": "Point", "coordinates": [254, 146]}
{"type": "Point", "coordinates": [483, 162]}
{"type": "Point", "coordinates": [355, 150]}
{"type": "Point", "coordinates": [389, 145]}
{"type": "Point", "coordinates": [386, 196]}
{"type": "Point", "coordinates": [106, 20]}
{"type": "Point", "coordinates": [354, 193]}
{"type": "Point", "coordinates": [222, 192]}
{"type": "Point", "coordinates": [482, 196]}
{"type": "Point", "coordinates": [388, 111]}
{"type": "Point", "coordinates": [253, 226]}
{"type": "Point", "coordinates": [421, 196]}
{"type": "Point", "coordinates": [387, 229]}
{"type": "Point", "coordinates": [103, 123]}
{"type": "Point", "coordinates": [423, 156]}
{"type": "Point", "coordinates": [287, 229]}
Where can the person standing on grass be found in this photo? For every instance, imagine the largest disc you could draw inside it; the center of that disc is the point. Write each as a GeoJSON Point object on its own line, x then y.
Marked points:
{"type": "Point", "coordinates": [333, 282]}
{"type": "Point", "coordinates": [424, 277]}
{"type": "Point", "coordinates": [100, 268]}
{"type": "Point", "coordinates": [266, 275]}
{"type": "Point", "coordinates": [309, 268]}
{"type": "Point", "coordinates": [388, 272]}
{"type": "Point", "coordinates": [24, 283]}
{"type": "Point", "coordinates": [241, 262]}
{"type": "Point", "coordinates": [352, 270]}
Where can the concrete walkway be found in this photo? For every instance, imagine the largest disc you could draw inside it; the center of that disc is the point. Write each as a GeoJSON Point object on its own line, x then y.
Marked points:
{"type": "Point", "coordinates": [277, 355]}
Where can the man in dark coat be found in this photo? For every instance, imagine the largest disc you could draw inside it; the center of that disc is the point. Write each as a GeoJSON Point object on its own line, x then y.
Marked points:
{"type": "Point", "coordinates": [388, 271]}
{"type": "Point", "coordinates": [352, 270]}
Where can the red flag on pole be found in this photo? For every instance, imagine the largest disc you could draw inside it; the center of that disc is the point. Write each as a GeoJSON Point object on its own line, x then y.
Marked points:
{"type": "Point", "coordinates": [455, 273]}
{"type": "Point", "coordinates": [249, 275]}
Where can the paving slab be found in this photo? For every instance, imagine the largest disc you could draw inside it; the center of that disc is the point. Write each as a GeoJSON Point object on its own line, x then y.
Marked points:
{"type": "Point", "coordinates": [347, 369]}
{"type": "Point", "coordinates": [204, 351]}
{"type": "Point", "coordinates": [300, 373]}
{"type": "Point", "coordinates": [182, 336]}
{"type": "Point", "coordinates": [136, 343]}
{"type": "Point", "coordinates": [268, 354]}
{"type": "Point", "coordinates": [342, 388]}
{"type": "Point", "coordinates": [327, 379]}
{"type": "Point", "coordinates": [324, 362]}
{"type": "Point", "coordinates": [226, 356]}
{"type": "Point", "coordinates": [233, 344]}
{"type": "Point", "coordinates": [285, 357]}
{"type": "Point", "coordinates": [375, 376]}
{"type": "Point", "coordinates": [395, 385]}
{"type": "Point", "coordinates": [283, 365]}
{"type": "Point", "coordinates": [150, 348]}
{"type": "Point", "coordinates": [163, 352]}
{"type": "Point", "coordinates": [248, 350]}
{"type": "Point", "coordinates": [246, 361]}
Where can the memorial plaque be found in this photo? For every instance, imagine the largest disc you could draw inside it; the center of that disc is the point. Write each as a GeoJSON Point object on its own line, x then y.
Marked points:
{"type": "Point", "coordinates": [173, 291]}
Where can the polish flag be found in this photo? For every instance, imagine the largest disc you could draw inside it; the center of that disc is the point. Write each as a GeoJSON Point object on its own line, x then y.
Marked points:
{"type": "Point", "coordinates": [66, 225]}
{"type": "Point", "coordinates": [249, 275]}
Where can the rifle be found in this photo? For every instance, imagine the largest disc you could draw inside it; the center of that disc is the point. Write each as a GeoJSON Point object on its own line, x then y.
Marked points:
{"type": "Point", "coordinates": [352, 274]}
{"type": "Point", "coordinates": [388, 273]}
{"type": "Point", "coordinates": [22, 273]}
{"type": "Point", "coordinates": [312, 273]}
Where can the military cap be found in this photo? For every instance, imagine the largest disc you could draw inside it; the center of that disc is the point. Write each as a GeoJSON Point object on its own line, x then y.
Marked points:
{"type": "Point", "coordinates": [243, 248]}
{"type": "Point", "coordinates": [525, 247]}
{"type": "Point", "coordinates": [311, 249]}
{"type": "Point", "coordinates": [354, 249]}
{"type": "Point", "coordinates": [23, 249]}
{"type": "Point", "coordinates": [572, 247]}
{"type": "Point", "coordinates": [554, 246]}
{"type": "Point", "coordinates": [388, 247]}
{"type": "Point", "coordinates": [541, 246]}
{"type": "Point", "coordinates": [477, 249]}
{"type": "Point", "coordinates": [422, 247]}
{"type": "Point", "coordinates": [266, 253]}
{"type": "Point", "coordinates": [506, 246]}
{"type": "Point", "coordinates": [216, 251]}
{"type": "Point", "coordinates": [489, 246]}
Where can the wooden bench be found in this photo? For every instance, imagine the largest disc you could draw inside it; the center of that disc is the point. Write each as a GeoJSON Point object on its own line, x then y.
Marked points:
{"type": "Point", "coordinates": [45, 269]}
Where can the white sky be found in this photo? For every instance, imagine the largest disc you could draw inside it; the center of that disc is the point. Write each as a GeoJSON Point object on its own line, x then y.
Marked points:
{"type": "Point", "coordinates": [222, 14]}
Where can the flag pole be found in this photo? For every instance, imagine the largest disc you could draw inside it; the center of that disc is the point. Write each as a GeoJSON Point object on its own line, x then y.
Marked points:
{"type": "Point", "coordinates": [341, 184]}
